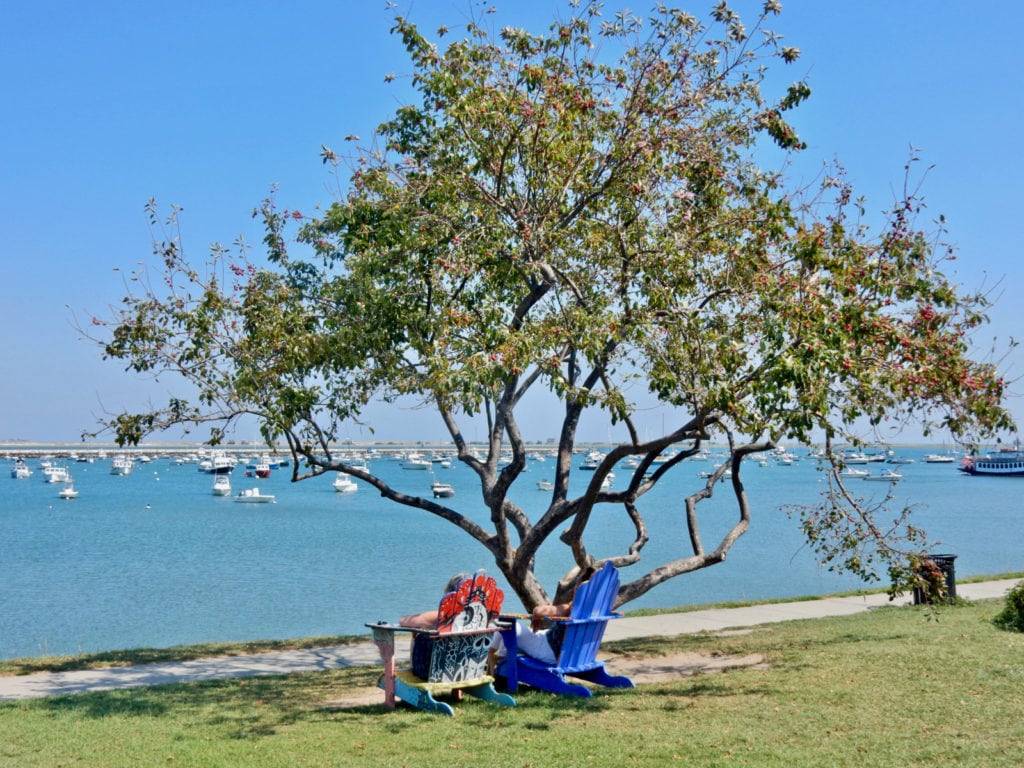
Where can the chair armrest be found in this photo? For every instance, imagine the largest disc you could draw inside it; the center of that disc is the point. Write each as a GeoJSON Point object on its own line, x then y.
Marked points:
{"type": "Point", "coordinates": [390, 627]}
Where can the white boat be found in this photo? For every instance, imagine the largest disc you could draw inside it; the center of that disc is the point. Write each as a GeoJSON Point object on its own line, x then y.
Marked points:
{"type": "Point", "coordinates": [344, 484]}
{"type": "Point", "coordinates": [221, 486]}
{"type": "Point", "coordinates": [545, 485]}
{"type": "Point", "coordinates": [854, 457]}
{"type": "Point", "coordinates": [253, 496]}
{"type": "Point", "coordinates": [54, 473]}
{"type": "Point", "coordinates": [218, 464]}
{"type": "Point", "coordinates": [20, 470]}
{"type": "Point", "coordinates": [887, 476]}
{"type": "Point", "coordinates": [442, 490]}
{"type": "Point", "coordinates": [851, 472]}
{"type": "Point", "coordinates": [415, 461]}
{"type": "Point", "coordinates": [68, 491]}
{"type": "Point", "coordinates": [938, 458]}
{"type": "Point", "coordinates": [121, 465]}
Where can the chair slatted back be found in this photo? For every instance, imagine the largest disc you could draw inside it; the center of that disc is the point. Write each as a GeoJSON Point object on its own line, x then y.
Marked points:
{"type": "Point", "coordinates": [591, 610]}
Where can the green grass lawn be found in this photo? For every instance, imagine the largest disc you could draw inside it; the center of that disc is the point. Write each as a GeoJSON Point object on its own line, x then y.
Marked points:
{"type": "Point", "coordinates": [890, 687]}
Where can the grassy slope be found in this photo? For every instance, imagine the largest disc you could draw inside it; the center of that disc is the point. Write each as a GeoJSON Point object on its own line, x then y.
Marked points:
{"type": "Point", "coordinates": [890, 687]}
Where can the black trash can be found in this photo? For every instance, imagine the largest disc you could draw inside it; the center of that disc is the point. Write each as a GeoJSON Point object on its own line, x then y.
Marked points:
{"type": "Point", "coordinates": [945, 563]}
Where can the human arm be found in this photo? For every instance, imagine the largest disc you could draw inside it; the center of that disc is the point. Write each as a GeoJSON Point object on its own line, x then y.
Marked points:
{"type": "Point", "coordinates": [424, 620]}
{"type": "Point", "coordinates": [542, 613]}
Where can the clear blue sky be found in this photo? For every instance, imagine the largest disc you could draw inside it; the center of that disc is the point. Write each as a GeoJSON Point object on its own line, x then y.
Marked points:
{"type": "Point", "coordinates": [206, 104]}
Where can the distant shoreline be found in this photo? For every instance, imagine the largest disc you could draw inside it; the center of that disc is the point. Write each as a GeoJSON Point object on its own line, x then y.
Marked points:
{"type": "Point", "coordinates": [32, 448]}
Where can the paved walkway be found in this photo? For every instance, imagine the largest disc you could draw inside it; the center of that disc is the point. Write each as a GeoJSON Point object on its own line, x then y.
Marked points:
{"type": "Point", "coordinates": [364, 654]}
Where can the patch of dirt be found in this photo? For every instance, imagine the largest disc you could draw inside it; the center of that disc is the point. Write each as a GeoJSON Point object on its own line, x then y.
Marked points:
{"type": "Point", "coordinates": [652, 669]}
{"type": "Point", "coordinates": [661, 669]}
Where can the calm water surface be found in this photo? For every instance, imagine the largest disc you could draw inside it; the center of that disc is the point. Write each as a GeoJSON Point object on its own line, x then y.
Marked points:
{"type": "Point", "coordinates": [154, 559]}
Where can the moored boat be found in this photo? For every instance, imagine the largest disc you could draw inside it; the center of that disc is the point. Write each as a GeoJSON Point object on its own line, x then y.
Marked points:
{"type": "Point", "coordinates": [55, 473]}
{"type": "Point", "coordinates": [20, 470]}
{"type": "Point", "coordinates": [442, 490]}
{"type": "Point", "coordinates": [415, 461]}
{"type": "Point", "coordinates": [253, 496]}
{"type": "Point", "coordinates": [68, 491]}
{"type": "Point", "coordinates": [887, 476]}
{"type": "Point", "coordinates": [345, 484]}
{"type": "Point", "coordinates": [121, 465]}
{"type": "Point", "coordinates": [221, 486]}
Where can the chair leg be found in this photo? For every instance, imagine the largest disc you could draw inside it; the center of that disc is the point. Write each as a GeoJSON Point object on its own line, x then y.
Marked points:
{"type": "Point", "coordinates": [421, 698]}
{"type": "Point", "coordinates": [600, 676]}
{"type": "Point", "coordinates": [487, 693]}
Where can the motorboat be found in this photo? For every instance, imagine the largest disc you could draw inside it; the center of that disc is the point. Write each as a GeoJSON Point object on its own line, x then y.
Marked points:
{"type": "Point", "coordinates": [886, 476]}
{"type": "Point", "coordinates": [20, 470]}
{"type": "Point", "coordinates": [344, 484]}
{"type": "Point", "coordinates": [221, 485]}
{"type": "Point", "coordinates": [218, 464]}
{"type": "Point", "coordinates": [851, 472]}
{"type": "Point", "coordinates": [263, 469]}
{"type": "Point", "coordinates": [68, 491]}
{"type": "Point", "coordinates": [415, 461]}
{"type": "Point", "coordinates": [442, 490]}
{"type": "Point", "coordinates": [545, 485]}
{"type": "Point", "coordinates": [253, 496]}
{"type": "Point", "coordinates": [938, 458]}
{"type": "Point", "coordinates": [55, 473]}
{"type": "Point", "coordinates": [121, 464]}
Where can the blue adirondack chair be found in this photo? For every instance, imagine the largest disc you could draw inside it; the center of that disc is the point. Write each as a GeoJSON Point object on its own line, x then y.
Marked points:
{"type": "Point", "coordinates": [583, 631]}
{"type": "Point", "coordinates": [455, 656]}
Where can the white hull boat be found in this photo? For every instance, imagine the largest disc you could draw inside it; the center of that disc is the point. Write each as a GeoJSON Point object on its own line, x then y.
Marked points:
{"type": "Point", "coordinates": [344, 484]}
{"type": "Point", "coordinates": [253, 496]}
{"type": "Point", "coordinates": [887, 476]}
{"type": "Point", "coordinates": [442, 490]}
{"type": "Point", "coordinates": [221, 486]}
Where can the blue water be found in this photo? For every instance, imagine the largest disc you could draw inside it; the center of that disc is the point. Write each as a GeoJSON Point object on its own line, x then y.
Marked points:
{"type": "Point", "coordinates": [153, 559]}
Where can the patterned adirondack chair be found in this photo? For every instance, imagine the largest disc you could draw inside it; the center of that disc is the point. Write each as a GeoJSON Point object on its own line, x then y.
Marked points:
{"type": "Point", "coordinates": [583, 630]}
{"type": "Point", "coordinates": [455, 659]}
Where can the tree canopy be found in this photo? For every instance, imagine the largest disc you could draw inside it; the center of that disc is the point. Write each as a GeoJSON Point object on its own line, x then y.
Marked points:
{"type": "Point", "coordinates": [584, 211]}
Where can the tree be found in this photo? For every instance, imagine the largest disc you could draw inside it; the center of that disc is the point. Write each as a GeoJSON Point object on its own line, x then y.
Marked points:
{"type": "Point", "coordinates": [582, 211]}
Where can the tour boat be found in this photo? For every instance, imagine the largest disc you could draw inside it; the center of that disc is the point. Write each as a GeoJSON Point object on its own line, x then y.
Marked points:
{"type": "Point", "coordinates": [1005, 463]}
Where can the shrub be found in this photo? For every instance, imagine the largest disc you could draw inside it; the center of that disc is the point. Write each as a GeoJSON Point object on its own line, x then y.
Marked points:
{"type": "Point", "coordinates": [1012, 616]}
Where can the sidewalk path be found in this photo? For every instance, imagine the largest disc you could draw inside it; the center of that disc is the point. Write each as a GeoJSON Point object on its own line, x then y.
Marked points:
{"type": "Point", "coordinates": [365, 654]}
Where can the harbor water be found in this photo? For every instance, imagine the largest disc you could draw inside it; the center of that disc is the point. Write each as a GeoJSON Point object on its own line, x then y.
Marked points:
{"type": "Point", "coordinates": [154, 559]}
